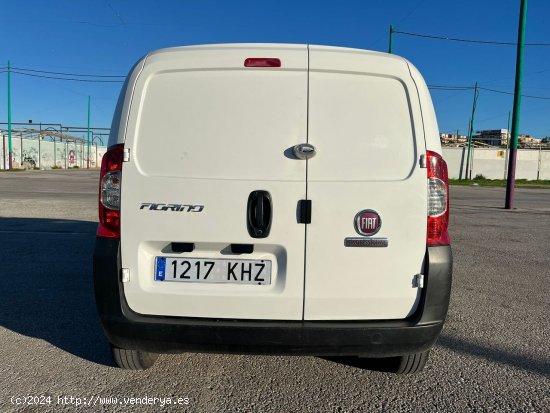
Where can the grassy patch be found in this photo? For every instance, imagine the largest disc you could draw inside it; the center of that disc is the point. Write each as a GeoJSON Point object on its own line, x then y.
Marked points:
{"type": "Point", "coordinates": [522, 183]}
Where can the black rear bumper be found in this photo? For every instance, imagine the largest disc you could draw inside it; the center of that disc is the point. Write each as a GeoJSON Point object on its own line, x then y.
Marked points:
{"type": "Point", "coordinates": [127, 329]}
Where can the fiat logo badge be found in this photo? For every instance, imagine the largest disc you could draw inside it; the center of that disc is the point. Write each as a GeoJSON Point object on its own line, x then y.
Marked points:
{"type": "Point", "coordinates": [367, 222]}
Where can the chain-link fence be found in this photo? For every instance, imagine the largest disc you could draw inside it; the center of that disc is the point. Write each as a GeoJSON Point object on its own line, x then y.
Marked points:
{"type": "Point", "coordinates": [40, 153]}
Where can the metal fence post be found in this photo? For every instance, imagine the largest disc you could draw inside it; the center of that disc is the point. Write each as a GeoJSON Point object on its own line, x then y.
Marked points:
{"type": "Point", "coordinates": [39, 152]}
{"type": "Point", "coordinates": [472, 162]}
{"type": "Point", "coordinates": [540, 159]}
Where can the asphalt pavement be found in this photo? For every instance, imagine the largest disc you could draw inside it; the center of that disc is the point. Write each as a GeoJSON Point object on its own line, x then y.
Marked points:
{"type": "Point", "coordinates": [493, 354]}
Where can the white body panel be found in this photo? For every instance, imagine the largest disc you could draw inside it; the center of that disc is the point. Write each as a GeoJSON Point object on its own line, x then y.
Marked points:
{"type": "Point", "coordinates": [204, 130]}
{"type": "Point", "coordinates": [364, 119]}
{"type": "Point", "coordinates": [431, 130]}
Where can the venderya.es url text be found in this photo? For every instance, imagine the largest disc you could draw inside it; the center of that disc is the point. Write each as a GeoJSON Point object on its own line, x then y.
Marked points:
{"type": "Point", "coordinates": [48, 400]}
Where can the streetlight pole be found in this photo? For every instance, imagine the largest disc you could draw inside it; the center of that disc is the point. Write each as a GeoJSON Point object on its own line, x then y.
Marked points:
{"type": "Point", "coordinates": [391, 39]}
{"type": "Point", "coordinates": [89, 101]}
{"type": "Point", "coordinates": [510, 183]}
{"type": "Point", "coordinates": [507, 145]}
{"type": "Point", "coordinates": [470, 133]}
{"type": "Point", "coordinates": [10, 150]}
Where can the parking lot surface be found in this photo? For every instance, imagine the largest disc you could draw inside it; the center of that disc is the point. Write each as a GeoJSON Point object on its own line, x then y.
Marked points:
{"type": "Point", "coordinates": [493, 355]}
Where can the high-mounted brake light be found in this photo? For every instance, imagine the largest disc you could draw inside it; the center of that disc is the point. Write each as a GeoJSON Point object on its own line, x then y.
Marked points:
{"type": "Point", "coordinates": [109, 192]}
{"type": "Point", "coordinates": [262, 62]}
{"type": "Point", "coordinates": [438, 200]}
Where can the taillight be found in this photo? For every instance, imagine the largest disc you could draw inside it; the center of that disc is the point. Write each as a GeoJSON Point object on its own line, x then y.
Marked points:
{"type": "Point", "coordinates": [109, 192]}
{"type": "Point", "coordinates": [438, 200]}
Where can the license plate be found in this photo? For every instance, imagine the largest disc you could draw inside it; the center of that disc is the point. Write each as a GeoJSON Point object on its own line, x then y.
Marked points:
{"type": "Point", "coordinates": [206, 270]}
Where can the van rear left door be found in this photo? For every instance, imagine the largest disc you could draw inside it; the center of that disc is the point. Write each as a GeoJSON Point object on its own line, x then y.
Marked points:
{"type": "Point", "coordinates": [205, 130]}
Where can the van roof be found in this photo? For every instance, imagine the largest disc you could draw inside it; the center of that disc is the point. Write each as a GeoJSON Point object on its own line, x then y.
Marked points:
{"type": "Point", "coordinates": [274, 46]}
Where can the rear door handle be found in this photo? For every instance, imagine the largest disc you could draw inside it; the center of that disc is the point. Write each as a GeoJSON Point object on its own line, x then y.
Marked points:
{"type": "Point", "coordinates": [259, 213]}
{"type": "Point", "coordinates": [304, 151]}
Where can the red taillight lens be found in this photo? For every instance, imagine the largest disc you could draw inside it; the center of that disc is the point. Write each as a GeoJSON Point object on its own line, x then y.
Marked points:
{"type": "Point", "coordinates": [262, 62]}
{"type": "Point", "coordinates": [438, 200]}
{"type": "Point", "coordinates": [109, 192]}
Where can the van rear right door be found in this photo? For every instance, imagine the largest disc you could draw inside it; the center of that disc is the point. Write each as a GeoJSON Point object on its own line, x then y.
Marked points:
{"type": "Point", "coordinates": [365, 122]}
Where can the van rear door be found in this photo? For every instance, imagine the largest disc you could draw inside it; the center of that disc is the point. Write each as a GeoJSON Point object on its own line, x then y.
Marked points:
{"type": "Point", "coordinates": [365, 123]}
{"type": "Point", "coordinates": [204, 133]}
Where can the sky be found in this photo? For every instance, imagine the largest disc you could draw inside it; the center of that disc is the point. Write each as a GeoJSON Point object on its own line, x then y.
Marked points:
{"type": "Point", "coordinates": [106, 37]}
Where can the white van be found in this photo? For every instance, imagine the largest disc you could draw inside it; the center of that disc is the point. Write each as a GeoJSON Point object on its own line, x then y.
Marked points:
{"type": "Point", "coordinates": [273, 198]}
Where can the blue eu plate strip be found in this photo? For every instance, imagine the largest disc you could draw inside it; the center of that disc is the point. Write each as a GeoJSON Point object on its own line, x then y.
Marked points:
{"type": "Point", "coordinates": [160, 271]}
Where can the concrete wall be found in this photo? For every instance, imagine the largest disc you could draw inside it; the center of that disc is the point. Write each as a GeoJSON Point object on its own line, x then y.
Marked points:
{"type": "Point", "coordinates": [492, 163]}
{"type": "Point", "coordinates": [46, 153]}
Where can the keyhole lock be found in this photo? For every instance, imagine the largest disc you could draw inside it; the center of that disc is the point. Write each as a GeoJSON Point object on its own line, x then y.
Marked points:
{"type": "Point", "coordinates": [304, 151]}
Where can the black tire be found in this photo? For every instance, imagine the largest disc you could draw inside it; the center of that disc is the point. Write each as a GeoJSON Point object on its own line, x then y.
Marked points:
{"type": "Point", "coordinates": [407, 364]}
{"type": "Point", "coordinates": [412, 363]}
{"type": "Point", "coordinates": [133, 359]}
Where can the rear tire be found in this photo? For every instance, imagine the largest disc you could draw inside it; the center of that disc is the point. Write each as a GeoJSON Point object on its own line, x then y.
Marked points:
{"type": "Point", "coordinates": [412, 363]}
{"type": "Point", "coordinates": [133, 359]}
{"type": "Point", "coordinates": [407, 364]}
